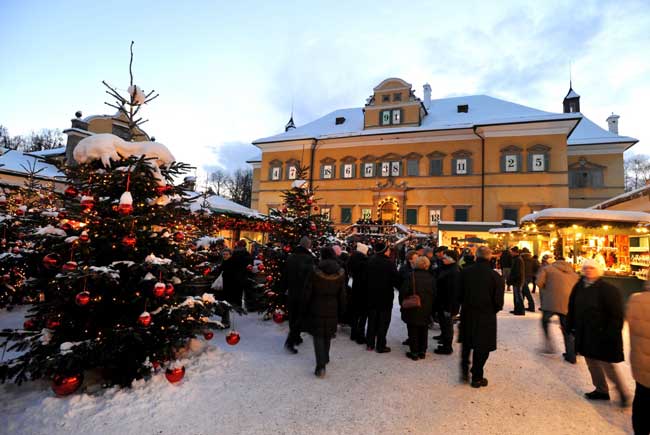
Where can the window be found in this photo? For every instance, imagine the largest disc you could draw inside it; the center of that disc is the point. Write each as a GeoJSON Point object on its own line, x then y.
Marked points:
{"type": "Point", "coordinates": [397, 96]}
{"type": "Point", "coordinates": [368, 170]}
{"type": "Point", "coordinates": [385, 98]}
{"type": "Point", "coordinates": [411, 216]}
{"type": "Point", "coordinates": [461, 166]}
{"type": "Point", "coordinates": [347, 170]}
{"type": "Point", "coordinates": [461, 214]}
{"type": "Point", "coordinates": [461, 163]}
{"type": "Point", "coordinates": [275, 173]}
{"type": "Point", "coordinates": [397, 115]}
{"type": "Point", "coordinates": [538, 162]}
{"type": "Point", "coordinates": [395, 169]}
{"type": "Point", "coordinates": [385, 117]}
{"type": "Point", "coordinates": [385, 169]}
{"type": "Point", "coordinates": [511, 214]}
{"type": "Point", "coordinates": [412, 169]}
{"type": "Point", "coordinates": [366, 213]}
{"type": "Point", "coordinates": [435, 167]}
{"type": "Point", "coordinates": [326, 213]}
{"type": "Point", "coordinates": [586, 178]}
{"type": "Point", "coordinates": [327, 172]}
{"type": "Point", "coordinates": [346, 215]}
{"type": "Point", "coordinates": [511, 162]}
{"type": "Point", "coordinates": [292, 171]}
{"type": "Point", "coordinates": [435, 216]}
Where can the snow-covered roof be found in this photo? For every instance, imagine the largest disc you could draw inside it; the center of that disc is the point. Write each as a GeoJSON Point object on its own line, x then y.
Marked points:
{"type": "Point", "coordinates": [48, 153]}
{"type": "Point", "coordinates": [588, 132]}
{"type": "Point", "coordinates": [219, 204]}
{"type": "Point", "coordinates": [622, 197]}
{"type": "Point", "coordinates": [19, 163]}
{"type": "Point", "coordinates": [572, 94]}
{"type": "Point", "coordinates": [443, 115]}
{"type": "Point", "coordinates": [586, 214]}
{"type": "Point", "coordinates": [504, 230]}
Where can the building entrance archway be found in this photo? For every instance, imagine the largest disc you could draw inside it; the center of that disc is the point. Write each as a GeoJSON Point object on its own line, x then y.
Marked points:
{"type": "Point", "coordinates": [388, 210]}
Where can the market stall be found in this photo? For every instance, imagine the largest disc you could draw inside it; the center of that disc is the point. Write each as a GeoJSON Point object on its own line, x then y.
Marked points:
{"type": "Point", "coordinates": [469, 234]}
{"type": "Point", "coordinates": [615, 239]}
{"type": "Point", "coordinates": [537, 242]}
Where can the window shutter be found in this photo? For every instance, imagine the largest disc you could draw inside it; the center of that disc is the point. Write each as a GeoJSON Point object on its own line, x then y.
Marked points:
{"type": "Point", "coordinates": [354, 170]}
{"type": "Point", "coordinates": [401, 168]}
{"type": "Point", "coordinates": [342, 169]}
{"type": "Point", "coordinates": [469, 166]}
{"type": "Point", "coordinates": [519, 162]}
{"type": "Point", "coordinates": [333, 172]}
{"type": "Point", "coordinates": [270, 172]}
{"type": "Point", "coordinates": [322, 171]}
{"type": "Point", "coordinates": [529, 164]}
{"type": "Point", "coordinates": [503, 163]}
{"type": "Point", "coordinates": [411, 216]}
{"type": "Point", "coordinates": [435, 167]}
{"type": "Point", "coordinates": [453, 166]}
{"type": "Point", "coordinates": [597, 178]}
{"type": "Point", "coordinates": [547, 162]}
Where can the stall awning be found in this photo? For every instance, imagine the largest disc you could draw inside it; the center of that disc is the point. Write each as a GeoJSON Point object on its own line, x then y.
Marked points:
{"type": "Point", "coordinates": [585, 215]}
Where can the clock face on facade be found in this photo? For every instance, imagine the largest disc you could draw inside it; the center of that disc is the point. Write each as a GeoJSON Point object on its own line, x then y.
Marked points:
{"type": "Point", "coordinates": [511, 163]}
{"type": "Point", "coordinates": [538, 163]}
{"type": "Point", "coordinates": [347, 171]}
{"type": "Point", "coordinates": [327, 171]}
{"type": "Point", "coordinates": [461, 166]}
{"type": "Point", "coordinates": [385, 169]}
{"type": "Point", "coordinates": [275, 174]}
{"type": "Point", "coordinates": [385, 117]}
{"type": "Point", "coordinates": [394, 169]}
{"type": "Point", "coordinates": [292, 173]}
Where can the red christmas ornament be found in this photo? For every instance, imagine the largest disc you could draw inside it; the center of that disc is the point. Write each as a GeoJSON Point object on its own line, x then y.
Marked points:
{"type": "Point", "coordinates": [52, 324]}
{"type": "Point", "coordinates": [285, 210]}
{"type": "Point", "coordinates": [126, 204]}
{"type": "Point", "coordinates": [129, 241]}
{"type": "Point", "coordinates": [260, 257]}
{"type": "Point", "coordinates": [233, 338]}
{"type": "Point", "coordinates": [161, 190]}
{"type": "Point", "coordinates": [260, 267]}
{"type": "Point", "coordinates": [287, 248]}
{"type": "Point", "coordinates": [61, 214]}
{"type": "Point", "coordinates": [315, 208]}
{"type": "Point", "coordinates": [249, 267]}
{"type": "Point", "coordinates": [208, 335]}
{"type": "Point", "coordinates": [269, 278]}
{"type": "Point", "coordinates": [313, 227]}
{"type": "Point", "coordinates": [71, 192]}
{"type": "Point", "coordinates": [169, 289]}
{"type": "Point", "coordinates": [155, 365]}
{"type": "Point", "coordinates": [179, 236]}
{"type": "Point", "coordinates": [84, 237]}
{"type": "Point", "coordinates": [207, 271]}
{"type": "Point", "coordinates": [278, 316]}
{"type": "Point", "coordinates": [70, 266]}
{"type": "Point", "coordinates": [159, 289]}
{"type": "Point", "coordinates": [87, 202]}
{"type": "Point", "coordinates": [144, 319]}
{"type": "Point", "coordinates": [310, 201]}
{"type": "Point", "coordinates": [52, 261]}
{"type": "Point", "coordinates": [82, 298]}
{"type": "Point", "coordinates": [20, 211]}
{"type": "Point", "coordinates": [175, 375]}
{"type": "Point", "coordinates": [66, 385]}
{"type": "Point", "coordinates": [29, 325]}
{"type": "Point", "coordinates": [66, 226]}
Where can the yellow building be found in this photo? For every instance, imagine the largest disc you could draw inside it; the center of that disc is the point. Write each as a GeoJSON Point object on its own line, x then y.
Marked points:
{"type": "Point", "coordinates": [418, 161]}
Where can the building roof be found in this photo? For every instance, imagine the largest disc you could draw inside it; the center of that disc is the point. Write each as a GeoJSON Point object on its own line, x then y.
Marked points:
{"type": "Point", "coordinates": [586, 214]}
{"type": "Point", "coordinates": [572, 94]}
{"type": "Point", "coordinates": [219, 204]}
{"type": "Point", "coordinates": [17, 162]}
{"type": "Point", "coordinates": [443, 115]}
{"type": "Point", "coordinates": [623, 197]}
{"type": "Point", "coordinates": [48, 153]}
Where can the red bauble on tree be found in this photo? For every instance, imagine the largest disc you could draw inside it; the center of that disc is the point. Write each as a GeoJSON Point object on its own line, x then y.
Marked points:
{"type": "Point", "coordinates": [179, 236]}
{"type": "Point", "coordinates": [29, 325]}
{"type": "Point", "coordinates": [249, 267]}
{"type": "Point", "coordinates": [144, 319]}
{"type": "Point", "coordinates": [175, 375]}
{"type": "Point", "coordinates": [66, 385]}
{"type": "Point", "coordinates": [129, 241]}
{"type": "Point", "coordinates": [71, 192]}
{"type": "Point", "coordinates": [52, 261]}
{"type": "Point", "coordinates": [269, 278]}
{"type": "Point", "coordinates": [233, 338]}
{"type": "Point", "coordinates": [52, 323]}
{"type": "Point", "coordinates": [82, 298]}
{"type": "Point", "coordinates": [260, 267]}
{"type": "Point", "coordinates": [278, 316]}
{"type": "Point", "coordinates": [208, 335]}
{"type": "Point", "coordinates": [87, 202]}
{"type": "Point", "coordinates": [69, 266]}
{"type": "Point", "coordinates": [169, 289]}
{"type": "Point", "coordinates": [84, 237]}
{"type": "Point", "coordinates": [126, 204]}
{"type": "Point", "coordinates": [159, 289]}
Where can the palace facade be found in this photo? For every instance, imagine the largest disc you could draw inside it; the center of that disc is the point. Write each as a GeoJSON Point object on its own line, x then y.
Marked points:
{"type": "Point", "coordinates": [418, 161]}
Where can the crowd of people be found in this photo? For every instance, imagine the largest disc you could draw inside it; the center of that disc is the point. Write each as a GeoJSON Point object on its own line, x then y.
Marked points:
{"type": "Point", "coordinates": [356, 285]}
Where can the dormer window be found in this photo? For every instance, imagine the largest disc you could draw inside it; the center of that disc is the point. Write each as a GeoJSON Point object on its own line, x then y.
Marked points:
{"type": "Point", "coordinates": [397, 96]}
{"type": "Point", "coordinates": [397, 116]}
{"type": "Point", "coordinates": [462, 108]}
{"type": "Point", "coordinates": [391, 117]}
{"type": "Point", "coordinates": [385, 98]}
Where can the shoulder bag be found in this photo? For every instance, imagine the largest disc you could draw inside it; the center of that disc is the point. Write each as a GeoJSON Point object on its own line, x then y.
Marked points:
{"type": "Point", "coordinates": [413, 300]}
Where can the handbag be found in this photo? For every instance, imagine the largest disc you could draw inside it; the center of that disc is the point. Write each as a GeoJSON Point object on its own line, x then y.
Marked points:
{"type": "Point", "coordinates": [218, 283]}
{"type": "Point", "coordinates": [412, 301]}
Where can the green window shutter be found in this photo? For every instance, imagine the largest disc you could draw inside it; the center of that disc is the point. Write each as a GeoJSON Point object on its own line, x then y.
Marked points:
{"type": "Point", "coordinates": [469, 166]}
{"type": "Point", "coordinates": [596, 178]}
{"type": "Point", "coordinates": [322, 171]}
{"type": "Point", "coordinates": [503, 163]}
{"type": "Point", "coordinates": [342, 169]}
{"type": "Point", "coordinates": [511, 214]}
{"type": "Point", "coordinates": [547, 162]}
{"type": "Point", "coordinates": [270, 173]}
{"type": "Point", "coordinates": [354, 170]}
{"type": "Point", "coordinates": [529, 163]}
{"type": "Point", "coordinates": [435, 167]}
{"type": "Point", "coordinates": [453, 166]}
{"type": "Point", "coordinates": [461, 214]}
{"type": "Point", "coordinates": [411, 216]}
{"type": "Point", "coordinates": [346, 215]}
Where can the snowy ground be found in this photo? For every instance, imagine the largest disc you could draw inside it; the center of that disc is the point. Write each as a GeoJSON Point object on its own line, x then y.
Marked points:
{"type": "Point", "coordinates": [255, 388]}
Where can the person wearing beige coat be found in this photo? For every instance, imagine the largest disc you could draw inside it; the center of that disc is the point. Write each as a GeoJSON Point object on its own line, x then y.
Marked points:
{"type": "Point", "coordinates": [556, 282]}
{"type": "Point", "coordinates": [638, 318]}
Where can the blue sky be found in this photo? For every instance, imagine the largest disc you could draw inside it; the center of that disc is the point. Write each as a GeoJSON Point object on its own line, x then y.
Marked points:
{"type": "Point", "coordinates": [229, 72]}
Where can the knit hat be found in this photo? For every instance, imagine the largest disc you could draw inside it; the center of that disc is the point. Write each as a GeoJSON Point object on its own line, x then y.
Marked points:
{"type": "Point", "coordinates": [362, 248]}
{"type": "Point", "coordinates": [380, 247]}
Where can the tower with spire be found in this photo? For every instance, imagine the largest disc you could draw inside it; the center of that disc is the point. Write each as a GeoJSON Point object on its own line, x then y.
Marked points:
{"type": "Point", "coordinates": [290, 125]}
{"type": "Point", "coordinates": [571, 102]}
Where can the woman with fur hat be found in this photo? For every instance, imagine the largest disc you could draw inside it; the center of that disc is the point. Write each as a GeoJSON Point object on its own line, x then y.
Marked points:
{"type": "Point", "coordinates": [596, 319]}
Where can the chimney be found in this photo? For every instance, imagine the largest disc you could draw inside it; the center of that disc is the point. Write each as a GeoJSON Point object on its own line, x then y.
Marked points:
{"type": "Point", "coordinates": [427, 96]}
{"type": "Point", "coordinates": [612, 123]}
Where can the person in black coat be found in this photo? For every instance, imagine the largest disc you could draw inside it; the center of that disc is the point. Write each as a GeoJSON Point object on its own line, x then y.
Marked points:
{"type": "Point", "coordinates": [298, 267]}
{"type": "Point", "coordinates": [242, 259]}
{"type": "Point", "coordinates": [505, 261]}
{"type": "Point", "coordinates": [517, 280]}
{"type": "Point", "coordinates": [324, 300]}
{"type": "Point", "coordinates": [382, 280]}
{"type": "Point", "coordinates": [481, 298]}
{"type": "Point", "coordinates": [417, 318]}
{"type": "Point", "coordinates": [232, 291]}
{"type": "Point", "coordinates": [596, 318]}
{"type": "Point", "coordinates": [358, 268]}
{"type": "Point", "coordinates": [446, 302]}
